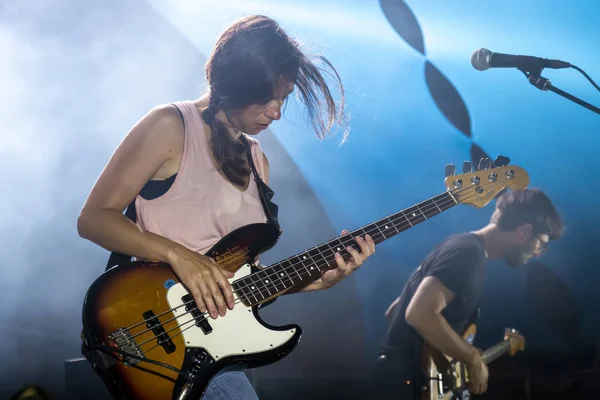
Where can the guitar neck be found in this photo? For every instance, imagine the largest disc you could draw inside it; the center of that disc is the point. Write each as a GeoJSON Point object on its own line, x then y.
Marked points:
{"type": "Point", "coordinates": [495, 351]}
{"type": "Point", "coordinates": [308, 266]}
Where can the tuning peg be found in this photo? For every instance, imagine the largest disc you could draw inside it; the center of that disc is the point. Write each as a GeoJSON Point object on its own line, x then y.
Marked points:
{"type": "Point", "coordinates": [501, 161]}
{"type": "Point", "coordinates": [484, 163]}
{"type": "Point", "coordinates": [467, 166]}
{"type": "Point", "coordinates": [450, 169]}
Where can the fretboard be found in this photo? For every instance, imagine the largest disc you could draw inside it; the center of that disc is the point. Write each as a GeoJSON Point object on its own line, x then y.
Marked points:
{"type": "Point", "coordinates": [308, 266]}
{"type": "Point", "coordinates": [495, 351]}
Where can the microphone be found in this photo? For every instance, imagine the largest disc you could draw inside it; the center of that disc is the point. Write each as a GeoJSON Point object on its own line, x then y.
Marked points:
{"type": "Point", "coordinates": [532, 67]}
{"type": "Point", "coordinates": [483, 59]}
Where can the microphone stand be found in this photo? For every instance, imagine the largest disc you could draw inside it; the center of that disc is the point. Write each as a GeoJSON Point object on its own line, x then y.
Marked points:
{"type": "Point", "coordinates": [533, 72]}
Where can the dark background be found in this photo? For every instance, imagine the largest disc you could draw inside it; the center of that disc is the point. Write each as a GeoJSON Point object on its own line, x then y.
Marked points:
{"type": "Point", "coordinates": [75, 76]}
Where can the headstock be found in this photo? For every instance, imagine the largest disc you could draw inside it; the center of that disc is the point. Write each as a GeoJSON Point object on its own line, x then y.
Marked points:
{"type": "Point", "coordinates": [516, 341]}
{"type": "Point", "coordinates": [480, 187]}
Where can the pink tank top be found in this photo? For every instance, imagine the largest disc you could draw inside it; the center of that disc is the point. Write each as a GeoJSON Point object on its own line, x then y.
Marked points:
{"type": "Point", "coordinates": [201, 206]}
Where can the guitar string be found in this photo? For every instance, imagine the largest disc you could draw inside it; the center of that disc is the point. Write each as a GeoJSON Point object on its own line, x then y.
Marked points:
{"type": "Point", "coordinates": [305, 273]}
{"type": "Point", "coordinates": [268, 277]}
{"type": "Point", "coordinates": [397, 220]}
{"type": "Point", "coordinates": [495, 351]}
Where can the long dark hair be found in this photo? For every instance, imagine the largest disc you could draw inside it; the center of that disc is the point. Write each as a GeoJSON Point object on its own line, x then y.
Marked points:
{"type": "Point", "coordinates": [246, 64]}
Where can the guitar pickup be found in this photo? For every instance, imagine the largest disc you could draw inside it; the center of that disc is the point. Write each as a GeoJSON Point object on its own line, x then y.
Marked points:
{"type": "Point", "coordinates": [162, 336]}
{"type": "Point", "coordinates": [192, 308]}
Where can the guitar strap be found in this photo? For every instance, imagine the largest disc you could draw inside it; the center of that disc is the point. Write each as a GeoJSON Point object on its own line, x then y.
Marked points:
{"type": "Point", "coordinates": [264, 191]}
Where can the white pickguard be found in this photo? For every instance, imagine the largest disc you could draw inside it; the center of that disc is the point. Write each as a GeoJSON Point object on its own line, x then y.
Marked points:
{"type": "Point", "coordinates": [237, 333]}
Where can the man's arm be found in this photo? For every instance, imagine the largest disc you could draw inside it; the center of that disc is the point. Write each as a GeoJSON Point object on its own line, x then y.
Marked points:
{"type": "Point", "coordinates": [424, 314]}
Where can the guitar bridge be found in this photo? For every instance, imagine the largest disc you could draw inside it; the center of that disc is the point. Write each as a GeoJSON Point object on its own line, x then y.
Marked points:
{"type": "Point", "coordinates": [126, 343]}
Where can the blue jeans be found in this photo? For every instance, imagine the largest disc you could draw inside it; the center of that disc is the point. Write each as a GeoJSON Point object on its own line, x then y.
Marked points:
{"type": "Point", "coordinates": [230, 385]}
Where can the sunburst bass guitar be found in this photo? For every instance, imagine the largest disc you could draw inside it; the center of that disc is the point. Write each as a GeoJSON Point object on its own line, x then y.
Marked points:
{"type": "Point", "coordinates": [144, 335]}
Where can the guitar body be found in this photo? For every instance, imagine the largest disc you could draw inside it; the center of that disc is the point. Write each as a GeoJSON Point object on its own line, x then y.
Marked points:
{"type": "Point", "coordinates": [131, 306]}
{"type": "Point", "coordinates": [447, 378]}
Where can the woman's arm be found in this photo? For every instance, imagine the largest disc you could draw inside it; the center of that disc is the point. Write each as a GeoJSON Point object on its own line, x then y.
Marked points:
{"type": "Point", "coordinates": [149, 150]}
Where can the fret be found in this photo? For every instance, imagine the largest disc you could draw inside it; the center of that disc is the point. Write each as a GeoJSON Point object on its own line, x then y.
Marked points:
{"type": "Point", "coordinates": [450, 203]}
{"type": "Point", "coordinates": [315, 254]}
{"type": "Point", "coordinates": [420, 209]}
{"type": "Point", "coordinates": [435, 203]}
{"type": "Point", "coordinates": [413, 215]}
{"type": "Point", "coordinates": [251, 286]}
{"type": "Point", "coordinates": [441, 199]}
{"type": "Point", "coordinates": [430, 209]}
{"type": "Point", "coordinates": [277, 282]}
{"type": "Point", "coordinates": [310, 269]}
{"type": "Point", "coordinates": [426, 210]}
{"type": "Point", "coordinates": [257, 284]}
{"type": "Point", "coordinates": [361, 231]}
{"type": "Point", "coordinates": [287, 269]}
{"type": "Point", "coordinates": [336, 247]}
{"type": "Point", "coordinates": [265, 282]}
{"type": "Point", "coordinates": [301, 259]}
{"type": "Point", "coordinates": [318, 258]}
{"type": "Point", "coordinates": [393, 225]}
{"type": "Point", "coordinates": [294, 266]}
{"type": "Point", "coordinates": [348, 240]}
{"type": "Point", "coordinates": [313, 271]}
{"type": "Point", "coordinates": [303, 270]}
{"type": "Point", "coordinates": [281, 274]}
{"type": "Point", "coordinates": [274, 278]}
{"type": "Point", "coordinates": [406, 217]}
{"type": "Point", "coordinates": [240, 290]}
{"type": "Point", "coordinates": [380, 231]}
{"type": "Point", "coordinates": [305, 257]}
{"type": "Point", "coordinates": [325, 249]}
{"type": "Point", "coordinates": [453, 198]}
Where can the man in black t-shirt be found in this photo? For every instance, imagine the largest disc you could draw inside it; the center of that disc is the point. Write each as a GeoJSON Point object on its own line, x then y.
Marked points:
{"type": "Point", "coordinates": [442, 295]}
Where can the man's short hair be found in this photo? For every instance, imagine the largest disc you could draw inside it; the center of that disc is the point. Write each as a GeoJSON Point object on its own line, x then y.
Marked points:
{"type": "Point", "coordinates": [515, 208]}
